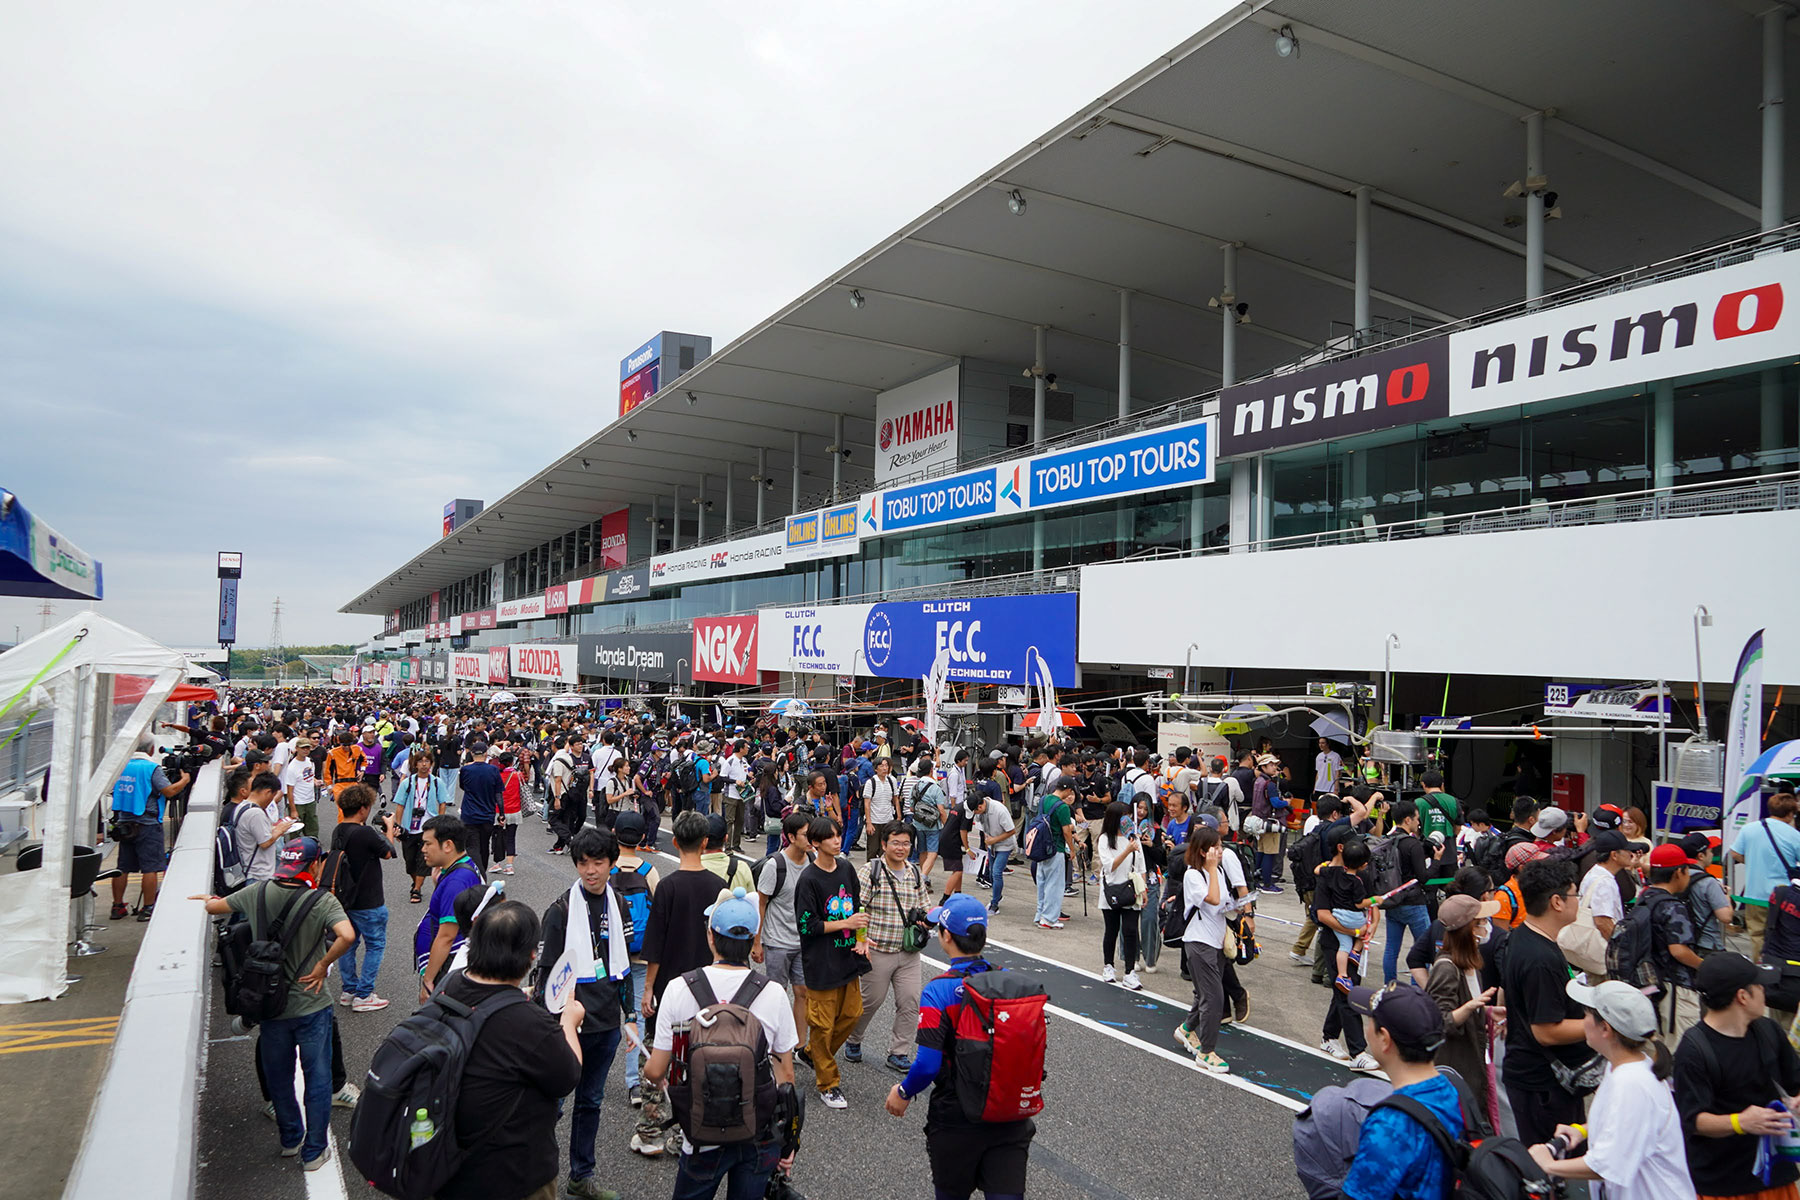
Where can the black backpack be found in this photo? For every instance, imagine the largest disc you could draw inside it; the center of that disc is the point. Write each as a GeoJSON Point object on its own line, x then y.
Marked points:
{"type": "Point", "coordinates": [685, 776]}
{"type": "Point", "coordinates": [1631, 951]}
{"type": "Point", "coordinates": [419, 1069]}
{"type": "Point", "coordinates": [1494, 1168]}
{"type": "Point", "coordinates": [254, 970]}
{"type": "Point", "coordinates": [1489, 853]}
{"type": "Point", "coordinates": [228, 862]}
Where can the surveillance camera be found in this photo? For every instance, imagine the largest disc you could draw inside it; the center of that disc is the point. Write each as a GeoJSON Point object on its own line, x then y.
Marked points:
{"type": "Point", "coordinates": [1050, 379]}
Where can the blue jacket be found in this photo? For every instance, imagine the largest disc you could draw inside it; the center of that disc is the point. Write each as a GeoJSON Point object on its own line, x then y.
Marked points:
{"type": "Point", "coordinates": [135, 794]}
{"type": "Point", "coordinates": [1398, 1160]}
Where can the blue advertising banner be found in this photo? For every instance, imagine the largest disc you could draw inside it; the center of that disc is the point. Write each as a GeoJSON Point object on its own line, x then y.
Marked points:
{"type": "Point", "coordinates": [991, 640]}
{"type": "Point", "coordinates": [939, 501]}
{"type": "Point", "coordinates": [228, 611]}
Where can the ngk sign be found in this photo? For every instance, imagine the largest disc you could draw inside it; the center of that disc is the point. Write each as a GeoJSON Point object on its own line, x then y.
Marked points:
{"type": "Point", "coordinates": [553, 663]}
{"type": "Point", "coordinates": [497, 663]}
{"type": "Point", "coordinates": [725, 649]}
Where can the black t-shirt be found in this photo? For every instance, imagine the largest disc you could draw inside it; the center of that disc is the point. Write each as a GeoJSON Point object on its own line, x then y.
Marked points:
{"type": "Point", "coordinates": [604, 1001]}
{"type": "Point", "coordinates": [1535, 977]}
{"type": "Point", "coordinates": [363, 851]}
{"type": "Point", "coordinates": [675, 939]}
{"type": "Point", "coordinates": [1339, 887]}
{"type": "Point", "coordinates": [518, 1069]}
{"type": "Point", "coordinates": [1743, 1071]}
{"type": "Point", "coordinates": [828, 960]}
{"type": "Point", "coordinates": [950, 834]}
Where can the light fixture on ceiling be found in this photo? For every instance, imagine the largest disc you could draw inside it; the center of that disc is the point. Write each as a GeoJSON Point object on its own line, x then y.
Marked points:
{"type": "Point", "coordinates": [585, 464]}
{"type": "Point", "coordinates": [857, 299]}
{"type": "Point", "coordinates": [1240, 311]}
{"type": "Point", "coordinates": [1015, 200]}
{"type": "Point", "coordinates": [1286, 44]}
{"type": "Point", "coordinates": [768, 485]}
{"type": "Point", "coordinates": [546, 485]}
{"type": "Point", "coordinates": [1552, 210]}
{"type": "Point", "coordinates": [846, 453]}
{"type": "Point", "coordinates": [631, 434]}
{"type": "Point", "coordinates": [692, 399]}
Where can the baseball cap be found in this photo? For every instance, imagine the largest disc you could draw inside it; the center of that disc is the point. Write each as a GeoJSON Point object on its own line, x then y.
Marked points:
{"type": "Point", "coordinates": [1407, 1012]}
{"type": "Point", "coordinates": [253, 757]}
{"type": "Point", "coordinates": [1607, 816]}
{"type": "Point", "coordinates": [715, 827]}
{"type": "Point", "coordinates": [1549, 821]}
{"type": "Point", "coordinates": [866, 746]}
{"type": "Point", "coordinates": [959, 914]}
{"type": "Point", "coordinates": [1670, 854]}
{"type": "Point", "coordinates": [1699, 843]}
{"type": "Point", "coordinates": [1457, 912]}
{"type": "Point", "coordinates": [1208, 820]}
{"type": "Point", "coordinates": [1724, 974]}
{"type": "Point", "coordinates": [880, 733]}
{"type": "Point", "coordinates": [628, 827]}
{"type": "Point", "coordinates": [734, 916]}
{"type": "Point", "coordinates": [1521, 854]}
{"type": "Point", "coordinates": [1609, 840]}
{"type": "Point", "coordinates": [296, 856]}
{"type": "Point", "coordinates": [1620, 1005]}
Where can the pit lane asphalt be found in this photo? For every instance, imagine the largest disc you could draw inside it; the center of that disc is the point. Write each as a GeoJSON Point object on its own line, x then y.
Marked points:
{"type": "Point", "coordinates": [1127, 1115]}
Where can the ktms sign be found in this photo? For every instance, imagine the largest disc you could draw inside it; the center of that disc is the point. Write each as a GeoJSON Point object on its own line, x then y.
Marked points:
{"type": "Point", "coordinates": [989, 640]}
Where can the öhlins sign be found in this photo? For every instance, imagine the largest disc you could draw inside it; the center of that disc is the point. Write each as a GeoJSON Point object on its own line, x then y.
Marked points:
{"type": "Point", "coordinates": [1357, 395]}
{"type": "Point", "coordinates": [1730, 317]}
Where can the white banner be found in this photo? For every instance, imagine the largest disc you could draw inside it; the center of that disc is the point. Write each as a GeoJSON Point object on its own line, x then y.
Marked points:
{"type": "Point", "coordinates": [555, 663]}
{"type": "Point", "coordinates": [916, 425]}
{"type": "Point", "coordinates": [1743, 741]}
{"type": "Point", "coordinates": [722, 560]}
{"type": "Point", "coordinates": [1730, 317]}
{"type": "Point", "coordinates": [528, 609]}
{"type": "Point", "coordinates": [825, 639]}
{"type": "Point", "coordinates": [472, 667]}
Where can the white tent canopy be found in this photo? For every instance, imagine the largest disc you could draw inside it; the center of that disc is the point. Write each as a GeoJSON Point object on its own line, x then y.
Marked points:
{"type": "Point", "coordinates": [70, 671]}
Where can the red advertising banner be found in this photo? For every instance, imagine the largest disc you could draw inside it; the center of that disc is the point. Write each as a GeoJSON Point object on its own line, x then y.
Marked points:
{"type": "Point", "coordinates": [725, 649]}
{"type": "Point", "coordinates": [615, 530]}
{"type": "Point", "coordinates": [479, 620]}
{"type": "Point", "coordinates": [556, 600]}
{"type": "Point", "coordinates": [499, 658]}
{"type": "Point", "coordinates": [436, 602]}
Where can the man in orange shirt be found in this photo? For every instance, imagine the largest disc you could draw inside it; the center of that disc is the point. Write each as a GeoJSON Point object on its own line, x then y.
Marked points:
{"type": "Point", "coordinates": [344, 765]}
{"type": "Point", "coordinates": [1510, 898]}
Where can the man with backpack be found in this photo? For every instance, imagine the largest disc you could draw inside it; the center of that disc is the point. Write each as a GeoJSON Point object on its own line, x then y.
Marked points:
{"type": "Point", "coordinates": [1406, 911]}
{"type": "Point", "coordinates": [634, 883]}
{"type": "Point", "coordinates": [353, 875]}
{"type": "Point", "coordinates": [894, 892]}
{"type": "Point", "coordinates": [777, 945]}
{"type": "Point", "coordinates": [1437, 808]}
{"type": "Point", "coordinates": [1652, 948]}
{"type": "Point", "coordinates": [1047, 844]}
{"type": "Point", "coordinates": [281, 980]}
{"type": "Point", "coordinates": [1404, 1029]}
{"type": "Point", "coordinates": [968, 1147]}
{"type": "Point", "coordinates": [880, 804]}
{"type": "Point", "coordinates": [594, 942]}
{"type": "Point", "coordinates": [743, 1048]}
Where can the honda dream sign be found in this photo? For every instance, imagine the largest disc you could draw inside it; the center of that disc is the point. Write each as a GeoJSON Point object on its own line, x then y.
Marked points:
{"type": "Point", "coordinates": [916, 425]}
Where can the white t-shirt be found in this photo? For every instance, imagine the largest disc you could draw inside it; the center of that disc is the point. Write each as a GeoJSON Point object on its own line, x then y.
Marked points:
{"type": "Point", "coordinates": [1208, 925]}
{"type": "Point", "coordinates": [734, 770]}
{"type": "Point", "coordinates": [771, 1007]}
{"type": "Point", "coordinates": [1142, 782]}
{"type": "Point", "coordinates": [280, 756]}
{"type": "Point", "coordinates": [1600, 888]}
{"type": "Point", "coordinates": [299, 776]}
{"type": "Point", "coordinates": [882, 795]}
{"type": "Point", "coordinates": [1634, 1137]}
{"type": "Point", "coordinates": [1110, 849]}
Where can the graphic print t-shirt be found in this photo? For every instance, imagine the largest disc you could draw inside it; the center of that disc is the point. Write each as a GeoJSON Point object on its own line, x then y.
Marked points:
{"type": "Point", "coordinates": [828, 960]}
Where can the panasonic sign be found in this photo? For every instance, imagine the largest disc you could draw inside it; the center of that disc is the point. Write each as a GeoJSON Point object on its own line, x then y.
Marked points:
{"type": "Point", "coordinates": [1403, 386]}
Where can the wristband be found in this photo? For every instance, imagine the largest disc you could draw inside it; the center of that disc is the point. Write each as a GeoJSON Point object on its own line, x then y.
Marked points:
{"type": "Point", "coordinates": [1581, 1132]}
{"type": "Point", "coordinates": [1737, 1126]}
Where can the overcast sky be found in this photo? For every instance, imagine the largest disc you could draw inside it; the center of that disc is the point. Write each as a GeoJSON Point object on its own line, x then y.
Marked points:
{"type": "Point", "coordinates": [285, 278]}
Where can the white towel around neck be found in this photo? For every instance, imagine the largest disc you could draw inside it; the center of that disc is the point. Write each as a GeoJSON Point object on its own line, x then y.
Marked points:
{"type": "Point", "coordinates": [580, 950]}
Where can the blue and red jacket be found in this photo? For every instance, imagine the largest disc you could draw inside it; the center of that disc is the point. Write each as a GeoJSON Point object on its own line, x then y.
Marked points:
{"type": "Point", "coordinates": [937, 1004]}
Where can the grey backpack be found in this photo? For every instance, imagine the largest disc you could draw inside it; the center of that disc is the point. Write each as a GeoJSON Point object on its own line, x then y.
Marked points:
{"type": "Point", "coordinates": [724, 1092]}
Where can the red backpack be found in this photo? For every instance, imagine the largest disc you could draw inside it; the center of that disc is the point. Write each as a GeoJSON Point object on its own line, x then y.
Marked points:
{"type": "Point", "coordinates": [998, 1037]}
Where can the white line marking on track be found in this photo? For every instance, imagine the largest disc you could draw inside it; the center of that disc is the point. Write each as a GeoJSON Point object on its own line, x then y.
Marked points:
{"type": "Point", "coordinates": [327, 1183]}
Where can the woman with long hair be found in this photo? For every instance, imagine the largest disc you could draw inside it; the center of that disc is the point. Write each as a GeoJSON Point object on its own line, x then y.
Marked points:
{"type": "Point", "coordinates": [1119, 855]}
{"type": "Point", "coordinates": [419, 797]}
{"type": "Point", "coordinates": [1454, 981]}
{"type": "Point", "coordinates": [1205, 897]}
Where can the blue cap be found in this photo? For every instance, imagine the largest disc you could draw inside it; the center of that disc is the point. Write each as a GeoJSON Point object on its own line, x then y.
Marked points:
{"type": "Point", "coordinates": [735, 916]}
{"type": "Point", "coordinates": [867, 746]}
{"type": "Point", "coordinates": [959, 914]}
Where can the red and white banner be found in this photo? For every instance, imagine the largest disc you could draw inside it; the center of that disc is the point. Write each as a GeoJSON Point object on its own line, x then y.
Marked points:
{"type": "Point", "coordinates": [437, 631]}
{"type": "Point", "coordinates": [556, 600]}
{"type": "Point", "coordinates": [527, 609]}
{"type": "Point", "coordinates": [725, 649]}
{"type": "Point", "coordinates": [591, 590]}
{"type": "Point", "coordinates": [497, 663]}
{"type": "Point", "coordinates": [470, 667]}
{"type": "Point", "coordinates": [615, 530]}
{"type": "Point", "coordinates": [434, 611]}
{"type": "Point", "coordinates": [554, 663]}
{"type": "Point", "coordinates": [478, 620]}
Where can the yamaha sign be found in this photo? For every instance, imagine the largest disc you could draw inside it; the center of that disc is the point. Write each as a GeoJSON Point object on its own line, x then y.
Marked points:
{"type": "Point", "coordinates": [916, 426]}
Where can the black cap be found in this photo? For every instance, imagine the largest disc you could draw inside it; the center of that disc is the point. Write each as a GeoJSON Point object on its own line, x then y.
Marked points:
{"type": "Point", "coordinates": [1408, 1013]}
{"type": "Point", "coordinates": [1609, 840]}
{"type": "Point", "coordinates": [1724, 974]}
{"type": "Point", "coordinates": [628, 827]}
{"type": "Point", "coordinates": [716, 828]}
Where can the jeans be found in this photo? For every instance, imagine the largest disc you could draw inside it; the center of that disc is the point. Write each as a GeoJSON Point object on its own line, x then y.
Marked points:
{"type": "Point", "coordinates": [747, 1166]}
{"type": "Point", "coordinates": [448, 776]}
{"type": "Point", "coordinates": [852, 821]}
{"type": "Point", "coordinates": [1049, 888]}
{"type": "Point", "coordinates": [311, 1037]}
{"type": "Point", "coordinates": [597, 1050]}
{"type": "Point", "coordinates": [633, 1060]}
{"type": "Point", "coordinates": [371, 940]}
{"type": "Point", "coordinates": [997, 874]}
{"type": "Point", "coordinates": [1271, 868]}
{"type": "Point", "coordinates": [1149, 925]}
{"type": "Point", "coordinates": [1401, 918]}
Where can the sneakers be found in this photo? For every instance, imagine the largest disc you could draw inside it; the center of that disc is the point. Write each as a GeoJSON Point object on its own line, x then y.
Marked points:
{"type": "Point", "coordinates": [347, 1096]}
{"type": "Point", "coordinates": [1213, 1063]}
{"type": "Point", "coordinates": [1187, 1039]}
{"type": "Point", "coordinates": [269, 1112]}
{"type": "Point", "coordinates": [313, 1164]}
{"type": "Point", "coordinates": [984, 881]}
{"type": "Point", "coordinates": [833, 1098]}
{"type": "Point", "coordinates": [1069, 891]}
{"type": "Point", "coordinates": [1107, 975]}
{"type": "Point", "coordinates": [647, 1149]}
{"type": "Point", "coordinates": [994, 908]}
{"type": "Point", "coordinates": [853, 1052]}
{"type": "Point", "coordinates": [1343, 983]}
{"type": "Point", "coordinates": [369, 1003]}
{"type": "Point", "coordinates": [900, 1063]}
{"type": "Point", "coordinates": [346, 999]}
{"type": "Point", "coordinates": [1365, 1062]}
{"type": "Point", "coordinates": [1241, 1008]}
{"type": "Point", "coordinates": [290, 1152]}
{"type": "Point", "coordinates": [1148, 969]}
{"type": "Point", "coordinates": [637, 1095]}
{"type": "Point", "coordinates": [1050, 925]}
{"type": "Point", "coordinates": [1225, 1018]}
{"type": "Point", "coordinates": [1131, 980]}
{"type": "Point", "coordinates": [804, 1059]}
{"type": "Point", "coordinates": [1335, 1048]}
{"type": "Point", "coordinates": [1295, 956]}
{"type": "Point", "coordinates": [119, 913]}
{"type": "Point", "coordinates": [588, 1189]}
{"type": "Point", "coordinates": [1269, 889]}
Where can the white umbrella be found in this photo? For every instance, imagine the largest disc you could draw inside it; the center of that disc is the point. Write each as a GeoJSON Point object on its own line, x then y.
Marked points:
{"type": "Point", "coordinates": [1332, 725]}
{"type": "Point", "coordinates": [568, 701]}
{"type": "Point", "coordinates": [503, 698]}
{"type": "Point", "coordinates": [792, 708]}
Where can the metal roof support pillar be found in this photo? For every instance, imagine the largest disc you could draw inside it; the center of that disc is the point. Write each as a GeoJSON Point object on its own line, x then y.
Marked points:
{"type": "Point", "coordinates": [1534, 206]}
{"type": "Point", "coordinates": [1774, 48]}
{"type": "Point", "coordinates": [655, 516]}
{"type": "Point", "coordinates": [675, 520]}
{"type": "Point", "coordinates": [730, 486]}
{"type": "Point", "coordinates": [1241, 500]}
{"type": "Point", "coordinates": [837, 455]}
{"type": "Point", "coordinates": [1228, 314]}
{"type": "Point", "coordinates": [700, 510]}
{"type": "Point", "coordinates": [794, 504]}
{"type": "Point", "coordinates": [762, 487]}
{"type": "Point", "coordinates": [1124, 354]}
{"type": "Point", "coordinates": [1663, 439]}
{"type": "Point", "coordinates": [1363, 319]}
{"type": "Point", "coordinates": [1037, 387]}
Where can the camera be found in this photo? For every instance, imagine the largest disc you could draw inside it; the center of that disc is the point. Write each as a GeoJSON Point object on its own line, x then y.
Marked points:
{"type": "Point", "coordinates": [186, 759]}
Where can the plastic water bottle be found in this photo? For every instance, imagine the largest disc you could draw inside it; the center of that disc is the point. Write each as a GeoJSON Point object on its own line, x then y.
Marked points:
{"type": "Point", "coordinates": [422, 1128]}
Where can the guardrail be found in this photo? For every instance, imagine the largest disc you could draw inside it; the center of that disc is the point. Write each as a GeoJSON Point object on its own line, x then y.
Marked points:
{"type": "Point", "coordinates": [142, 1131]}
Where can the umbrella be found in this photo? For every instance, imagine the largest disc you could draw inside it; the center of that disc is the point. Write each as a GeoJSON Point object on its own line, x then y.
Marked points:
{"type": "Point", "coordinates": [568, 701]}
{"type": "Point", "coordinates": [503, 698]}
{"type": "Point", "coordinates": [1783, 759]}
{"type": "Point", "coordinates": [1332, 725]}
{"type": "Point", "coordinates": [1249, 712]}
{"type": "Point", "coordinates": [1063, 719]}
{"type": "Point", "coordinates": [791, 708]}
{"type": "Point", "coordinates": [912, 723]}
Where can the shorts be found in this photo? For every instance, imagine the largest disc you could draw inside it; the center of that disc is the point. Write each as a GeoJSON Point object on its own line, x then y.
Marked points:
{"type": "Point", "coordinates": [926, 839]}
{"type": "Point", "coordinates": [512, 818]}
{"type": "Point", "coordinates": [783, 966]}
{"type": "Point", "coordinates": [989, 1158]}
{"type": "Point", "coordinates": [141, 848]}
{"type": "Point", "coordinates": [412, 850]}
{"type": "Point", "coordinates": [1352, 919]}
{"type": "Point", "coordinates": [951, 856]}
